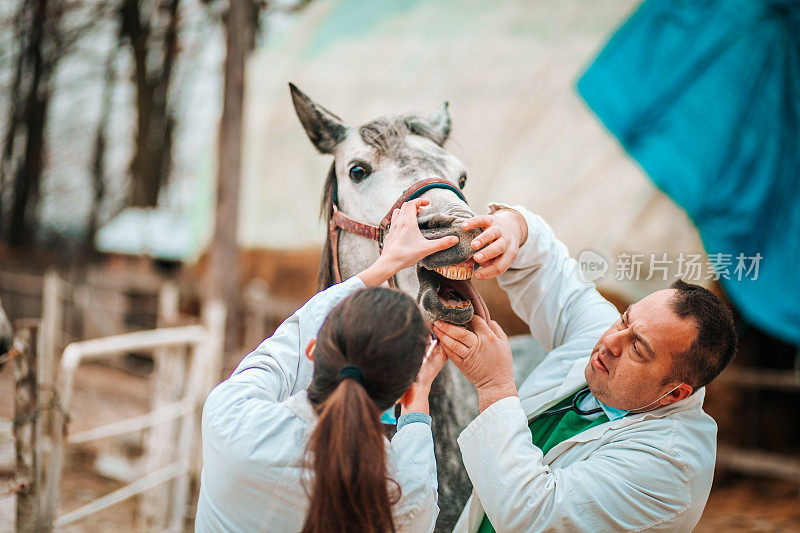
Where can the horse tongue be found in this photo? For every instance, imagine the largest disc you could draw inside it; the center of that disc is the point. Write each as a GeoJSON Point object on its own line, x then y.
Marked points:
{"type": "Point", "coordinates": [478, 305]}
{"type": "Point", "coordinates": [466, 288]}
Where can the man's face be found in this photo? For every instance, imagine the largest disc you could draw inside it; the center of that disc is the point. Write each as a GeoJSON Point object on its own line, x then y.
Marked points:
{"type": "Point", "coordinates": [631, 363]}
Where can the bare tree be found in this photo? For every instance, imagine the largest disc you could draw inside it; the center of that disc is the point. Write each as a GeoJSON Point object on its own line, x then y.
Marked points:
{"type": "Point", "coordinates": [222, 277]}
{"type": "Point", "coordinates": [99, 152]}
{"type": "Point", "coordinates": [152, 35]}
{"type": "Point", "coordinates": [24, 147]}
{"type": "Point", "coordinates": [241, 23]}
{"type": "Point", "coordinates": [46, 31]}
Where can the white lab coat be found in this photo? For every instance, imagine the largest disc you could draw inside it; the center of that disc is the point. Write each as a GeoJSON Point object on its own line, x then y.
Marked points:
{"type": "Point", "coordinates": [255, 428]}
{"type": "Point", "coordinates": [647, 471]}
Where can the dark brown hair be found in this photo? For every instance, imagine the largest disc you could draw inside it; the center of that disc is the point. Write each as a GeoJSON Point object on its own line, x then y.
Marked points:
{"type": "Point", "coordinates": [715, 344]}
{"type": "Point", "coordinates": [380, 331]}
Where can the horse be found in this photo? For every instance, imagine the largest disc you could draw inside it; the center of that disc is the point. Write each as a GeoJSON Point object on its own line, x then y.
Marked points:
{"type": "Point", "coordinates": [375, 168]}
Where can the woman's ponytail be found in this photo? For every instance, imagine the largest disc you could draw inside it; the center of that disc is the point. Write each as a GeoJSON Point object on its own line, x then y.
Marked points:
{"type": "Point", "coordinates": [347, 453]}
{"type": "Point", "coordinates": [368, 352]}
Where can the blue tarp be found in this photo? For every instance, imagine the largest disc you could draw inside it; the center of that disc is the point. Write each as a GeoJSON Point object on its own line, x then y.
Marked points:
{"type": "Point", "coordinates": [705, 96]}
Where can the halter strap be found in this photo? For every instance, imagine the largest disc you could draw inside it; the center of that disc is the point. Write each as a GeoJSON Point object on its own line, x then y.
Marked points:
{"type": "Point", "coordinates": [418, 189]}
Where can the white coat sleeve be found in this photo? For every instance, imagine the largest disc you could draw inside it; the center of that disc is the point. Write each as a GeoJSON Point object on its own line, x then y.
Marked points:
{"type": "Point", "coordinates": [630, 484]}
{"type": "Point", "coordinates": [279, 368]}
{"type": "Point", "coordinates": [546, 290]}
{"type": "Point", "coordinates": [415, 471]}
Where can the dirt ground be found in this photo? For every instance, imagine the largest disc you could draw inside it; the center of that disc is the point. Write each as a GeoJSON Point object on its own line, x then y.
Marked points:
{"type": "Point", "coordinates": [753, 505]}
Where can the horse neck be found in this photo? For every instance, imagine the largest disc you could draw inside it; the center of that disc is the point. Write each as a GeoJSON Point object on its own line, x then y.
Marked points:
{"type": "Point", "coordinates": [355, 253]}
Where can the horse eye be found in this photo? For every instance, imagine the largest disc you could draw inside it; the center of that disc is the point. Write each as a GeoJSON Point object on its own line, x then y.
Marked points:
{"type": "Point", "coordinates": [462, 180]}
{"type": "Point", "coordinates": [358, 173]}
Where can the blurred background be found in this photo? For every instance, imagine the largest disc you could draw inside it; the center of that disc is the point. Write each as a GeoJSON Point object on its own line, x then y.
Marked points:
{"type": "Point", "coordinates": [153, 174]}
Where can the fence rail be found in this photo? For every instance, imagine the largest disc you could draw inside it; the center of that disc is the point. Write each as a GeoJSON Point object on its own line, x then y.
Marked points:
{"type": "Point", "coordinates": [205, 343]}
{"type": "Point", "coordinates": [43, 399]}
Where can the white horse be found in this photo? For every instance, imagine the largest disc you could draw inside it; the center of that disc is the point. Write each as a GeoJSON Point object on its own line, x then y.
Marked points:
{"type": "Point", "coordinates": [373, 166]}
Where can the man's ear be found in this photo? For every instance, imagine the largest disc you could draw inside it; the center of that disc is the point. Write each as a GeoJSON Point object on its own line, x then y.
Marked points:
{"type": "Point", "coordinates": [680, 392]}
{"type": "Point", "coordinates": [310, 349]}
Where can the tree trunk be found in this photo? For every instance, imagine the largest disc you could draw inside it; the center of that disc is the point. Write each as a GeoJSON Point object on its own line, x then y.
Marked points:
{"type": "Point", "coordinates": [152, 158]}
{"type": "Point", "coordinates": [222, 277]}
{"type": "Point", "coordinates": [28, 174]}
{"type": "Point", "coordinates": [14, 111]}
{"type": "Point", "coordinates": [99, 154]}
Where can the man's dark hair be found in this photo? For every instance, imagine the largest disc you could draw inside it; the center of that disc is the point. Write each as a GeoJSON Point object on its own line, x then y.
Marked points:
{"type": "Point", "coordinates": [715, 345]}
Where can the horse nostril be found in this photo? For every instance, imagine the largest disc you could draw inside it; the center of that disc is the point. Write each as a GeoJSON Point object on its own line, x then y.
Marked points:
{"type": "Point", "coordinates": [435, 221]}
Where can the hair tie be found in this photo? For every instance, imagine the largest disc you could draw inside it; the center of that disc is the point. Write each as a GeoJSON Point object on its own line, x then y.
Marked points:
{"type": "Point", "coordinates": [352, 372]}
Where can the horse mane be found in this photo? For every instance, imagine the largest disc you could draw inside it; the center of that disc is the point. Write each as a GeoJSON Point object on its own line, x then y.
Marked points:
{"type": "Point", "coordinates": [386, 136]}
{"type": "Point", "coordinates": [325, 276]}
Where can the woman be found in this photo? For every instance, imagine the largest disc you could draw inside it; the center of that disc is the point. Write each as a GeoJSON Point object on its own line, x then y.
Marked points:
{"type": "Point", "coordinates": [290, 445]}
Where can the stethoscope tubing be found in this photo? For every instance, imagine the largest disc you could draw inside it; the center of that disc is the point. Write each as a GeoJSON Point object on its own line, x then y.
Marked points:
{"type": "Point", "coordinates": [579, 396]}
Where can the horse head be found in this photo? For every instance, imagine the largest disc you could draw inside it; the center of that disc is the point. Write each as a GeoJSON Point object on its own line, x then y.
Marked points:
{"type": "Point", "coordinates": [373, 166]}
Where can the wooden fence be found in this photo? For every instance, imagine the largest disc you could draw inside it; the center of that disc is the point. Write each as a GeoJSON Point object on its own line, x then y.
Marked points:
{"type": "Point", "coordinates": [113, 310]}
{"type": "Point", "coordinates": [171, 423]}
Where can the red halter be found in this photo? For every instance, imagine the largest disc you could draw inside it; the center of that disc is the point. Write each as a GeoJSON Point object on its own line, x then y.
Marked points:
{"type": "Point", "coordinates": [341, 221]}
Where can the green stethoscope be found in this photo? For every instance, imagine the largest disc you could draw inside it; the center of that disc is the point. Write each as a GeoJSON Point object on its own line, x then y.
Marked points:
{"type": "Point", "coordinates": [577, 399]}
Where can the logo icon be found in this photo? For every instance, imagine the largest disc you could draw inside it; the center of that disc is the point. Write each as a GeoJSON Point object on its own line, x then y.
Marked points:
{"type": "Point", "coordinates": [593, 265]}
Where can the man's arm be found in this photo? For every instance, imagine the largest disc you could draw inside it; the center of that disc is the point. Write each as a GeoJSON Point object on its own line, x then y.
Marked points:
{"type": "Point", "coordinates": [543, 282]}
{"type": "Point", "coordinates": [630, 484]}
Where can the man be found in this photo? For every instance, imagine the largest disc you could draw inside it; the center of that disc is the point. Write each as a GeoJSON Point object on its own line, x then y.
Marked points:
{"type": "Point", "coordinates": [608, 432]}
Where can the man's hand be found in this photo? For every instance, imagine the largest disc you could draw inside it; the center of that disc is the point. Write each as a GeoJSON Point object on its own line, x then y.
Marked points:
{"type": "Point", "coordinates": [404, 245]}
{"type": "Point", "coordinates": [484, 357]}
{"type": "Point", "coordinates": [415, 400]}
{"type": "Point", "coordinates": [503, 233]}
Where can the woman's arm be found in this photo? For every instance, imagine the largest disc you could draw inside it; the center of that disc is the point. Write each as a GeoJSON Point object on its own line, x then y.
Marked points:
{"type": "Point", "coordinates": [404, 245]}
{"type": "Point", "coordinates": [414, 465]}
{"type": "Point", "coordinates": [412, 451]}
{"type": "Point", "coordinates": [279, 368]}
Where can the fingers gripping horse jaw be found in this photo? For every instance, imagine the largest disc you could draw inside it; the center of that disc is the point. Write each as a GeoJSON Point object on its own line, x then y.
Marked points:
{"type": "Point", "coordinates": [445, 288]}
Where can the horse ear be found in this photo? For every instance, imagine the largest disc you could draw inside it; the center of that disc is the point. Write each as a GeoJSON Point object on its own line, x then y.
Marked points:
{"type": "Point", "coordinates": [325, 129]}
{"type": "Point", "coordinates": [440, 120]}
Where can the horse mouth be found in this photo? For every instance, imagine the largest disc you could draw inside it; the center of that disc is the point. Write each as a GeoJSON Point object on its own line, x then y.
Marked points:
{"type": "Point", "coordinates": [447, 293]}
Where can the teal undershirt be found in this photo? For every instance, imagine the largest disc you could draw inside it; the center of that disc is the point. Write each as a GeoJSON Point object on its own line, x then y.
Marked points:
{"type": "Point", "coordinates": [549, 431]}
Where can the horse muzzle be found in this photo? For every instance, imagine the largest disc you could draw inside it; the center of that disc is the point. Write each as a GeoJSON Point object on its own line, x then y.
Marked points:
{"type": "Point", "coordinates": [454, 255]}
{"type": "Point", "coordinates": [445, 287]}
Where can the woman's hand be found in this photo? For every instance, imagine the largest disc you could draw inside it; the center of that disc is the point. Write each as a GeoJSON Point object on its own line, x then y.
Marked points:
{"type": "Point", "coordinates": [415, 400]}
{"type": "Point", "coordinates": [503, 234]}
{"type": "Point", "coordinates": [404, 245]}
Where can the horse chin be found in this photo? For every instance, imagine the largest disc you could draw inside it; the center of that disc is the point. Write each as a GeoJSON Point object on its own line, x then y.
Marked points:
{"type": "Point", "coordinates": [449, 300]}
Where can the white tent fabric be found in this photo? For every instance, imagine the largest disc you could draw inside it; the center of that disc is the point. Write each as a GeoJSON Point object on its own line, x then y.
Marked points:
{"type": "Point", "coordinates": [154, 232]}
{"type": "Point", "coordinates": [508, 70]}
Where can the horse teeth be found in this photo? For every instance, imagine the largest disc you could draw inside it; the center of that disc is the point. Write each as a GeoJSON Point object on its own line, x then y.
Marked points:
{"type": "Point", "coordinates": [457, 272]}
